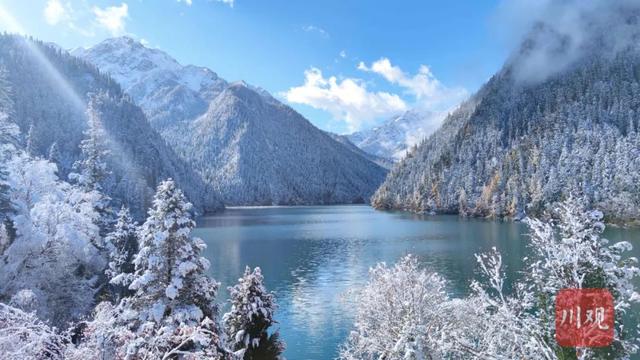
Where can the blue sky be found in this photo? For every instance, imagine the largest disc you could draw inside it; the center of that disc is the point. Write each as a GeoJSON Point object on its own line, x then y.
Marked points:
{"type": "Point", "coordinates": [344, 64]}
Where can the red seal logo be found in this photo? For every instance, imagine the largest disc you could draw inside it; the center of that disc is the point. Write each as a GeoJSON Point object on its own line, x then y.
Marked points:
{"type": "Point", "coordinates": [584, 318]}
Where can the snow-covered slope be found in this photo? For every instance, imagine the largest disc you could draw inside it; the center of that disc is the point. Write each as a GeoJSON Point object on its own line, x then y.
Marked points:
{"type": "Point", "coordinates": [255, 150]}
{"type": "Point", "coordinates": [50, 91]}
{"type": "Point", "coordinates": [252, 148]}
{"type": "Point", "coordinates": [528, 139]}
{"type": "Point", "coordinates": [393, 138]}
{"type": "Point", "coordinates": [164, 89]}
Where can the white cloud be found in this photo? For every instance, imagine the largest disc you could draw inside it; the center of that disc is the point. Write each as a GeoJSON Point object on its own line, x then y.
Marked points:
{"type": "Point", "coordinates": [112, 18]}
{"type": "Point", "coordinates": [58, 12]}
{"type": "Point", "coordinates": [429, 92]}
{"type": "Point", "coordinates": [55, 12]}
{"type": "Point", "coordinates": [347, 99]}
{"type": "Point", "coordinates": [315, 29]}
{"type": "Point", "coordinates": [343, 54]}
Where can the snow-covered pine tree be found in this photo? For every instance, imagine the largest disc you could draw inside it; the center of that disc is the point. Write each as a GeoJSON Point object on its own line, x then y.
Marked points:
{"type": "Point", "coordinates": [7, 231]}
{"type": "Point", "coordinates": [122, 245]}
{"type": "Point", "coordinates": [6, 206]}
{"type": "Point", "coordinates": [174, 300]}
{"type": "Point", "coordinates": [54, 153]}
{"type": "Point", "coordinates": [31, 145]}
{"type": "Point", "coordinates": [92, 167]}
{"type": "Point", "coordinates": [246, 325]}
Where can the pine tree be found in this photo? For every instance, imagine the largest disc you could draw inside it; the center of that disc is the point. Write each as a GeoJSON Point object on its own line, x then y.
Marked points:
{"type": "Point", "coordinates": [122, 244]}
{"type": "Point", "coordinates": [251, 316]}
{"type": "Point", "coordinates": [31, 141]}
{"type": "Point", "coordinates": [171, 289]}
{"type": "Point", "coordinates": [92, 168]}
{"type": "Point", "coordinates": [7, 231]}
{"type": "Point", "coordinates": [54, 153]}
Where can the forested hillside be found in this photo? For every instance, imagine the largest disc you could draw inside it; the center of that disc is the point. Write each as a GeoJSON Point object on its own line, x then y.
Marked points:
{"type": "Point", "coordinates": [528, 139]}
{"type": "Point", "coordinates": [50, 90]}
{"type": "Point", "coordinates": [255, 150]}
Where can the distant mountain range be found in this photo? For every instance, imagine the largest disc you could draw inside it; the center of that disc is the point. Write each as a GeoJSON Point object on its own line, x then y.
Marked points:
{"type": "Point", "coordinates": [50, 90]}
{"type": "Point", "coordinates": [251, 148]}
{"type": "Point", "coordinates": [396, 136]}
{"type": "Point", "coordinates": [538, 132]}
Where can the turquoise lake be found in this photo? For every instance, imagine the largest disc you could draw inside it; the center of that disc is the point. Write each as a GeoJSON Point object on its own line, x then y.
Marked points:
{"type": "Point", "coordinates": [312, 256]}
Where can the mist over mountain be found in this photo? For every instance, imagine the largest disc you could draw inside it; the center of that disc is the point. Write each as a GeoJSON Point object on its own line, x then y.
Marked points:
{"type": "Point", "coordinates": [561, 117]}
{"type": "Point", "coordinates": [253, 149]}
{"type": "Point", "coordinates": [50, 90]}
{"type": "Point", "coordinates": [558, 34]}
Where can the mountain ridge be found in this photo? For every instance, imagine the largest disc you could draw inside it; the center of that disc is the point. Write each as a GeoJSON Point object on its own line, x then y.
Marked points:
{"type": "Point", "coordinates": [226, 131]}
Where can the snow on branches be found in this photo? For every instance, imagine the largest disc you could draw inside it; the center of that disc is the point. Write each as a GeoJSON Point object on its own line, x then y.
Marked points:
{"type": "Point", "coordinates": [122, 245]}
{"type": "Point", "coordinates": [251, 315]}
{"type": "Point", "coordinates": [173, 305]}
{"type": "Point", "coordinates": [24, 336]}
{"type": "Point", "coordinates": [398, 313]}
{"type": "Point", "coordinates": [404, 312]}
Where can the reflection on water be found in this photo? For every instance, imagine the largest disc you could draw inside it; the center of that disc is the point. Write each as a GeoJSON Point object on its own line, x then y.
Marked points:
{"type": "Point", "coordinates": [312, 256]}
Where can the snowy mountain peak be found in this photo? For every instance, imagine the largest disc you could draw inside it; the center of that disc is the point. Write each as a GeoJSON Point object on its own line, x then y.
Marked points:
{"type": "Point", "coordinates": [393, 138]}
{"type": "Point", "coordinates": [165, 89]}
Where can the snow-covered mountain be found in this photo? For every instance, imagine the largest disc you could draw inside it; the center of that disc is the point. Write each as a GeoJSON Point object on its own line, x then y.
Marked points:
{"type": "Point", "coordinates": [164, 89]}
{"type": "Point", "coordinates": [252, 148]}
{"type": "Point", "coordinates": [50, 91]}
{"type": "Point", "coordinates": [396, 136]}
{"type": "Point", "coordinates": [344, 140]}
{"type": "Point", "coordinates": [538, 132]}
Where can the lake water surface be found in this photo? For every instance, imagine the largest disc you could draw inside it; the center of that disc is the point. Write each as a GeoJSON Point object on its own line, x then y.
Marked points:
{"type": "Point", "coordinates": [312, 256]}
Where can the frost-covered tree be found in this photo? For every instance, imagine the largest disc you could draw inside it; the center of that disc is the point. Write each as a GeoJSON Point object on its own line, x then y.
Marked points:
{"type": "Point", "coordinates": [122, 245]}
{"type": "Point", "coordinates": [173, 306]}
{"type": "Point", "coordinates": [55, 253]}
{"type": "Point", "coordinates": [24, 336]}
{"type": "Point", "coordinates": [489, 323]}
{"type": "Point", "coordinates": [246, 325]}
{"type": "Point", "coordinates": [54, 155]}
{"type": "Point", "coordinates": [30, 143]}
{"type": "Point", "coordinates": [91, 169]}
{"type": "Point", "coordinates": [103, 337]}
{"type": "Point", "coordinates": [397, 314]}
{"type": "Point", "coordinates": [571, 253]}
{"type": "Point", "coordinates": [6, 205]}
